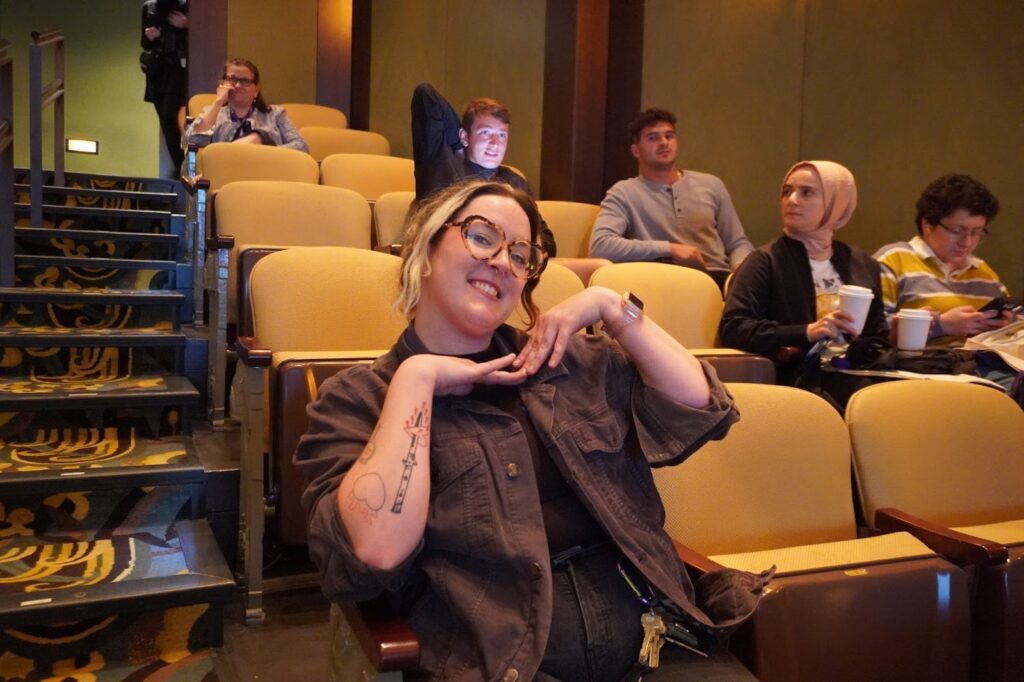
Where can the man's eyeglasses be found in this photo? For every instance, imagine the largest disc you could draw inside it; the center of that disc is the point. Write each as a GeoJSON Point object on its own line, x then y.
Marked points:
{"type": "Point", "coordinates": [236, 81]}
{"type": "Point", "coordinates": [484, 240]}
{"type": "Point", "coordinates": [960, 233]}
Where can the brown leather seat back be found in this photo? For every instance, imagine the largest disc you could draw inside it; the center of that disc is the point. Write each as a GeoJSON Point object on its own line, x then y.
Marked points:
{"type": "Point", "coordinates": [297, 384]}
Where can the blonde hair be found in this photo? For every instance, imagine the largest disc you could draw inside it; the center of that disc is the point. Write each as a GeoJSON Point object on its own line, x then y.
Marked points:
{"type": "Point", "coordinates": [424, 228]}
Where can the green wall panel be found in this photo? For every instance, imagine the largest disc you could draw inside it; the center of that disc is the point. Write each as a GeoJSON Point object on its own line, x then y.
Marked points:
{"type": "Point", "coordinates": [104, 86]}
{"type": "Point", "coordinates": [279, 37]}
{"type": "Point", "coordinates": [900, 92]}
{"type": "Point", "coordinates": [731, 72]}
{"type": "Point", "coordinates": [466, 49]}
{"type": "Point", "coordinates": [939, 90]}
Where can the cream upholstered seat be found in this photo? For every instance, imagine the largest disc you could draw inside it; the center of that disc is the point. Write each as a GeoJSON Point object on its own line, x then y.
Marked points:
{"type": "Point", "coordinates": [218, 164]}
{"type": "Point", "coordinates": [369, 174]}
{"type": "Point", "coordinates": [557, 283]}
{"type": "Point", "coordinates": [224, 162]}
{"type": "Point", "coordinates": [303, 114]}
{"type": "Point", "coordinates": [389, 212]}
{"type": "Point", "coordinates": [198, 102]}
{"type": "Point", "coordinates": [685, 302]}
{"type": "Point", "coordinates": [944, 461]}
{"type": "Point", "coordinates": [570, 222]}
{"type": "Point", "coordinates": [270, 214]}
{"type": "Point", "coordinates": [349, 320]}
{"type": "Point", "coordinates": [776, 491]}
{"type": "Point", "coordinates": [325, 140]}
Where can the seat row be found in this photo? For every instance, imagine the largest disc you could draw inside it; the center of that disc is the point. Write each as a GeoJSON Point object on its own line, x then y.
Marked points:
{"type": "Point", "coordinates": [929, 587]}
{"type": "Point", "coordinates": [255, 216]}
{"type": "Point", "coordinates": [299, 339]}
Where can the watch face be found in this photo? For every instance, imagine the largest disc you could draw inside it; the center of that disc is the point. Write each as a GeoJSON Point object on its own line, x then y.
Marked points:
{"type": "Point", "coordinates": [634, 299]}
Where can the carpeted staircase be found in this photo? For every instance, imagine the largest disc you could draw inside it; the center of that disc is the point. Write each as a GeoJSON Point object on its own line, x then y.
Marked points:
{"type": "Point", "coordinates": [108, 570]}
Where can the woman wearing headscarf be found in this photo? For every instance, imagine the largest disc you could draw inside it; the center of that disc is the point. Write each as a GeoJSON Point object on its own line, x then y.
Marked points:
{"type": "Point", "coordinates": [785, 293]}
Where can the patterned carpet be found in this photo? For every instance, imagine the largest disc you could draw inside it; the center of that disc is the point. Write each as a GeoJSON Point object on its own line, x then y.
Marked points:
{"type": "Point", "coordinates": [74, 540]}
{"type": "Point", "coordinates": [135, 647]}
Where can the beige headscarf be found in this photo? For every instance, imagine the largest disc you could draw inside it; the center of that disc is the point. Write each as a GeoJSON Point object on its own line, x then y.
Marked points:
{"type": "Point", "coordinates": [839, 191]}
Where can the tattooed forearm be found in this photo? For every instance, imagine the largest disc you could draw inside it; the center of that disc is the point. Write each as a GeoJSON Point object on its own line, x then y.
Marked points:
{"type": "Point", "coordinates": [418, 428]}
{"type": "Point", "coordinates": [368, 495]}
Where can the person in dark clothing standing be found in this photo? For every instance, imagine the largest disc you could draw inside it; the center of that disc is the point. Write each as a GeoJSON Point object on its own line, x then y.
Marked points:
{"type": "Point", "coordinates": [165, 41]}
{"type": "Point", "coordinates": [447, 149]}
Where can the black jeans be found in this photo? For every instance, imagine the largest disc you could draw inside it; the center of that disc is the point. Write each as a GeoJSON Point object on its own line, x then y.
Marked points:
{"type": "Point", "coordinates": [596, 633]}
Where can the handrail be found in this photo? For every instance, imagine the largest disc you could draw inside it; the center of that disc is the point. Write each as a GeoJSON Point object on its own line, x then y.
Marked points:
{"type": "Point", "coordinates": [41, 96]}
{"type": "Point", "coordinates": [6, 167]}
{"type": "Point", "coordinates": [43, 39]}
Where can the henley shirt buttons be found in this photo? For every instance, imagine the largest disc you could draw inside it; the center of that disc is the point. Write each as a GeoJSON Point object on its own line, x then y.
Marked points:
{"type": "Point", "coordinates": [512, 470]}
{"type": "Point", "coordinates": [511, 675]}
{"type": "Point", "coordinates": [536, 571]}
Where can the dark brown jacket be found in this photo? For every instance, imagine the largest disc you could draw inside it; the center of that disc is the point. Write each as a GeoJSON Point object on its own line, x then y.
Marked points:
{"type": "Point", "coordinates": [477, 590]}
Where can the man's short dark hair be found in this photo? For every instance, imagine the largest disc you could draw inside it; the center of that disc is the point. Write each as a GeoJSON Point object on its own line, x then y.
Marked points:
{"type": "Point", "coordinates": [951, 193]}
{"type": "Point", "coordinates": [648, 118]}
{"type": "Point", "coordinates": [484, 106]}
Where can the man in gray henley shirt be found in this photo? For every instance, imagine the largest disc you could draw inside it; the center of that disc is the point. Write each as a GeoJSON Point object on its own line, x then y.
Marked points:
{"type": "Point", "coordinates": [667, 214]}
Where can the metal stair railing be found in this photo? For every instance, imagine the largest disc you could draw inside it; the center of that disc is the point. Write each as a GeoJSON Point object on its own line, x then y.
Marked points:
{"type": "Point", "coordinates": [41, 96]}
{"type": "Point", "coordinates": [6, 167]}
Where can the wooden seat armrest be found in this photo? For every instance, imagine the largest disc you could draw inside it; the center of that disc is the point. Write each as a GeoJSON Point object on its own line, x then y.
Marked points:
{"type": "Point", "coordinates": [252, 353]}
{"type": "Point", "coordinates": [385, 639]}
{"type": "Point", "coordinates": [393, 249]}
{"type": "Point", "coordinates": [960, 548]}
{"type": "Point", "coordinates": [696, 563]}
{"type": "Point", "coordinates": [195, 183]}
{"type": "Point", "coordinates": [220, 241]}
{"type": "Point", "coordinates": [784, 355]}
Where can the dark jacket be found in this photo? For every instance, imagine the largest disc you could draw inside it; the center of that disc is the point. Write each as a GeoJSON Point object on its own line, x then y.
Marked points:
{"type": "Point", "coordinates": [477, 590]}
{"type": "Point", "coordinates": [771, 298]}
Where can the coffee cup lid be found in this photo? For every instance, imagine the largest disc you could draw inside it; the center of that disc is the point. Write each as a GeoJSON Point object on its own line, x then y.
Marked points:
{"type": "Point", "coordinates": [856, 291]}
{"type": "Point", "coordinates": [914, 314]}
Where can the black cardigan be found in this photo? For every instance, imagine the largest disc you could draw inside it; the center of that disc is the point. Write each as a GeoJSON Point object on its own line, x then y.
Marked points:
{"type": "Point", "coordinates": [771, 297]}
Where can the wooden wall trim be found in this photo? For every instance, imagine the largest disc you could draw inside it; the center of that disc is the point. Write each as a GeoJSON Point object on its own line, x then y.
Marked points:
{"type": "Point", "coordinates": [207, 43]}
{"type": "Point", "coordinates": [575, 93]}
{"type": "Point", "coordinates": [343, 58]}
{"type": "Point", "coordinates": [625, 84]}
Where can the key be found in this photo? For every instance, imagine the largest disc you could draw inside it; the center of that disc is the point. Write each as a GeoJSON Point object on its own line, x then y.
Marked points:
{"type": "Point", "coordinates": [676, 633]}
{"type": "Point", "coordinates": [654, 633]}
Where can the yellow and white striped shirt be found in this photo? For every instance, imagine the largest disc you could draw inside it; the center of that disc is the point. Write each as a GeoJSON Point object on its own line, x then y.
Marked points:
{"type": "Point", "coordinates": [914, 277]}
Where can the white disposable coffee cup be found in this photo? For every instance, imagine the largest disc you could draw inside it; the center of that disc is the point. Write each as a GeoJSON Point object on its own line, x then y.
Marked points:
{"type": "Point", "coordinates": [855, 301]}
{"type": "Point", "coordinates": [912, 329]}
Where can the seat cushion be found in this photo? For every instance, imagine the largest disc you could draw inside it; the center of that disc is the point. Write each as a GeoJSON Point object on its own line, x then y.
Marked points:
{"type": "Point", "coordinates": [830, 555]}
{"type": "Point", "coordinates": [1005, 532]}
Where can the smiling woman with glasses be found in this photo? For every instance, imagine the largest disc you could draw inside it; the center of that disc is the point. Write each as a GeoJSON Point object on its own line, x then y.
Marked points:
{"type": "Point", "coordinates": [938, 270]}
{"type": "Point", "coordinates": [479, 476]}
{"type": "Point", "coordinates": [240, 114]}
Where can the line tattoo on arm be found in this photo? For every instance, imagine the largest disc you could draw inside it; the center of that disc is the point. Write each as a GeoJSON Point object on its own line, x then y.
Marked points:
{"type": "Point", "coordinates": [368, 495]}
{"type": "Point", "coordinates": [371, 446]}
{"type": "Point", "coordinates": [418, 428]}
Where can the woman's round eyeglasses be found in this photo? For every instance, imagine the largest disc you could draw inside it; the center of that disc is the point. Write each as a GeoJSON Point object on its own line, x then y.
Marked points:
{"type": "Point", "coordinates": [484, 240]}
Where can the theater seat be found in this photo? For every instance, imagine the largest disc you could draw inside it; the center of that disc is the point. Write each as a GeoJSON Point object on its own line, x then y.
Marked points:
{"type": "Point", "coordinates": [570, 222]}
{"type": "Point", "coordinates": [944, 461]}
{"type": "Point", "coordinates": [198, 102]}
{"type": "Point", "coordinates": [349, 320]}
{"type": "Point", "coordinates": [369, 174]}
{"type": "Point", "coordinates": [254, 217]}
{"type": "Point", "coordinates": [557, 283]}
{"type": "Point", "coordinates": [685, 302]}
{"type": "Point", "coordinates": [777, 491]}
{"type": "Point", "coordinates": [389, 212]}
{"type": "Point", "coordinates": [325, 140]}
{"type": "Point", "coordinates": [303, 114]}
